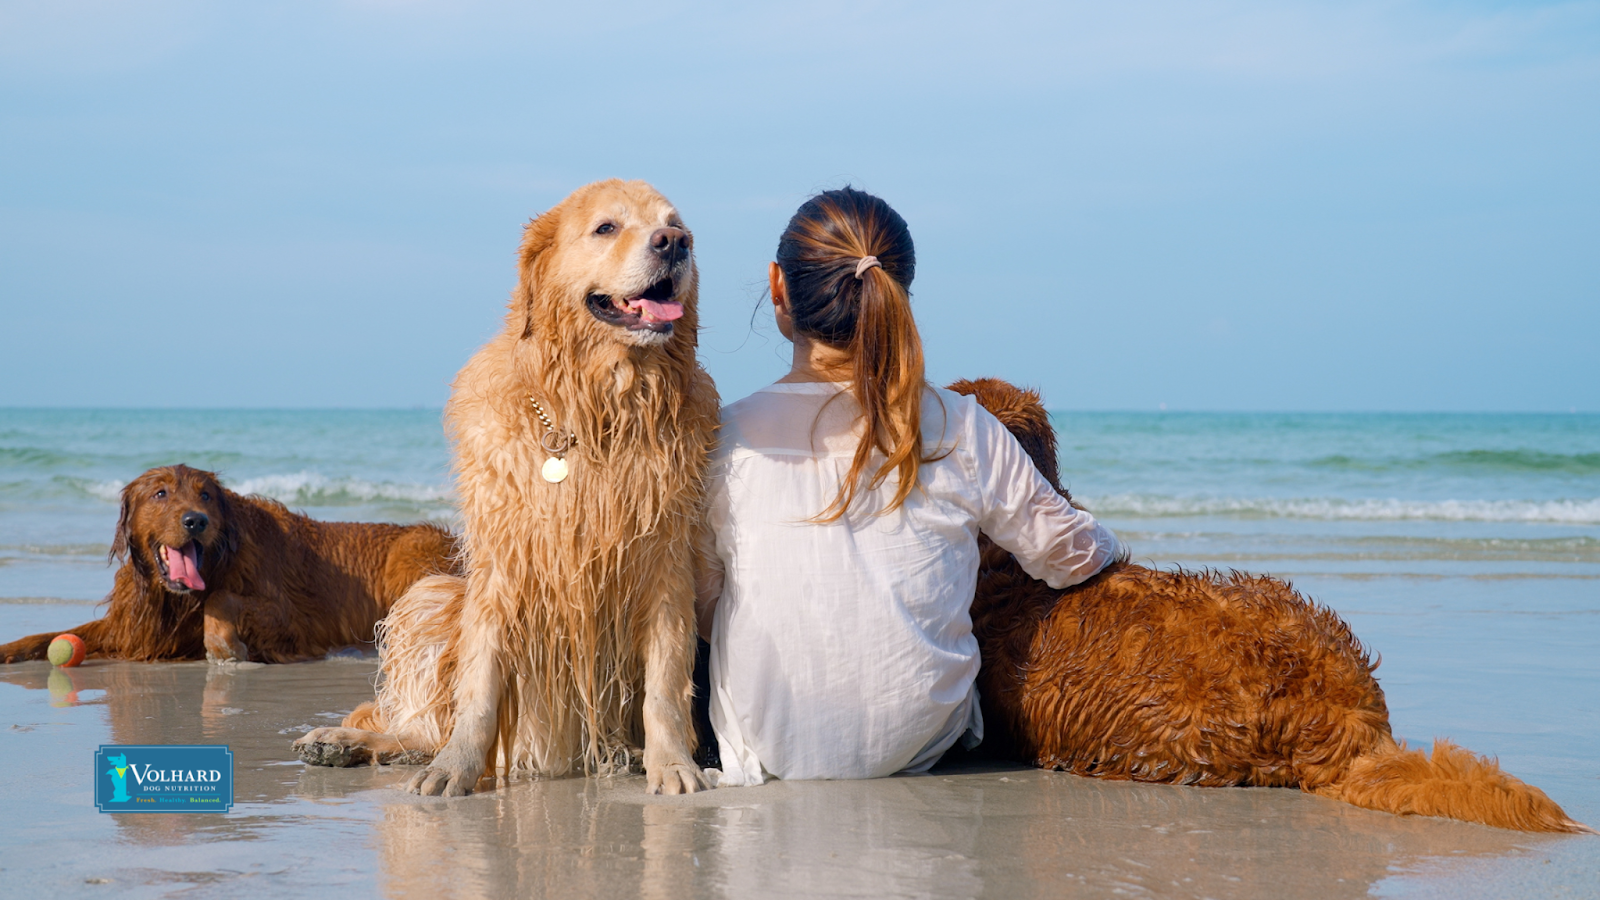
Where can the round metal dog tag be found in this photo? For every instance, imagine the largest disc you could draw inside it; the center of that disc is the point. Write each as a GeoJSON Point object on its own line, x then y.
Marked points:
{"type": "Point", "coordinates": [555, 470]}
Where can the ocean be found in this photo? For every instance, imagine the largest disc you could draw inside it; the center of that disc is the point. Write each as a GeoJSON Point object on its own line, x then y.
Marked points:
{"type": "Point", "coordinates": [1291, 494]}
{"type": "Point", "coordinates": [61, 471]}
{"type": "Point", "coordinates": [1464, 550]}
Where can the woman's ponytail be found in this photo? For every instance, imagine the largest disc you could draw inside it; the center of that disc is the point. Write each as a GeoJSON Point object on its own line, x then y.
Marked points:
{"type": "Point", "coordinates": [848, 261]}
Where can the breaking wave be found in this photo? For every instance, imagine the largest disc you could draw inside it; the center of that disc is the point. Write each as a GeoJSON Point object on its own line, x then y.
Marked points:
{"type": "Point", "coordinates": [1483, 462]}
{"type": "Point", "coordinates": [1578, 512]}
{"type": "Point", "coordinates": [40, 458]}
{"type": "Point", "coordinates": [313, 489]}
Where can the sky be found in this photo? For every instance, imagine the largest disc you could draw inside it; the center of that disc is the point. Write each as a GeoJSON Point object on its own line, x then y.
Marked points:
{"type": "Point", "coordinates": [1179, 204]}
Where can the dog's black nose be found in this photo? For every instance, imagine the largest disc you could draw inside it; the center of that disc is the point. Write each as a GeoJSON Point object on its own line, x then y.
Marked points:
{"type": "Point", "coordinates": [194, 523]}
{"type": "Point", "coordinates": [671, 244]}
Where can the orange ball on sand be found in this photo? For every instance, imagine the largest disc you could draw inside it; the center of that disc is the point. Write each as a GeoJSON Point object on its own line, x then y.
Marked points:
{"type": "Point", "coordinates": [67, 650]}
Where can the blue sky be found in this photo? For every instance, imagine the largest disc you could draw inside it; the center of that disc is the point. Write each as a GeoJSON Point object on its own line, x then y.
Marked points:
{"type": "Point", "coordinates": [1242, 205]}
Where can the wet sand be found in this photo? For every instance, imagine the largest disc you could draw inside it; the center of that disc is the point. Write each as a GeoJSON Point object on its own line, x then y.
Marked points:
{"type": "Point", "coordinates": [1524, 685]}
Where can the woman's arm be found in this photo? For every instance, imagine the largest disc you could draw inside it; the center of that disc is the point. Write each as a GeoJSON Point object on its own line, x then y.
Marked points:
{"type": "Point", "coordinates": [1052, 540]}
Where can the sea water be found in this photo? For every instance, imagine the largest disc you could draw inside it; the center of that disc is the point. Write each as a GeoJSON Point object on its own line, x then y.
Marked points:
{"type": "Point", "coordinates": [1291, 494]}
{"type": "Point", "coordinates": [62, 471]}
{"type": "Point", "coordinates": [1345, 493]}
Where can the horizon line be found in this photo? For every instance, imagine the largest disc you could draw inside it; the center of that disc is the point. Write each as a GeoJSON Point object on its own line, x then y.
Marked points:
{"type": "Point", "coordinates": [1053, 410]}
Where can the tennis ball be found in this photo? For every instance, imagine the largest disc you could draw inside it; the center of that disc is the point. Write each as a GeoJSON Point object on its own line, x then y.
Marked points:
{"type": "Point", "coordinates": [67, 650]}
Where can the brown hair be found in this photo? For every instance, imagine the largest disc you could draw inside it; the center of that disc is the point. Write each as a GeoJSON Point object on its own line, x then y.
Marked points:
{"type": "Point", "coordinates": [870, 318]}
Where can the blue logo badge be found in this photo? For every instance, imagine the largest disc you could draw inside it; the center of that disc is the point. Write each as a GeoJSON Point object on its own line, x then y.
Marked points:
{"type": "Point", "coordinates": [163, 778]}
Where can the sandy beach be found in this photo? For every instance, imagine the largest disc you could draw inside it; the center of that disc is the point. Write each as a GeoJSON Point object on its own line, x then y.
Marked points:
{"type": "Point", "coordinates": [1521, 684]}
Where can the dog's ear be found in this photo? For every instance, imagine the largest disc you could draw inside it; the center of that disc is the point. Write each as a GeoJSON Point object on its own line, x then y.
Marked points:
{"type": "Point", "coordinates": [124, 544]}
{"type": "Point", "coordinates": [230, 523]}
{"type": "Point", "coordinates": [228, 505]}
{"type": "Point", "coordinates": [119, 541]}
{"type": "Point", "coordinates": [1023, 414]}
{"type": "Point", "coordinates": [539, 236]}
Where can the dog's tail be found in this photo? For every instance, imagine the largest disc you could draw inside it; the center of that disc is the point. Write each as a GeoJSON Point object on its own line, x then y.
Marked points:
{"type": "Point", "coordinates": [367, 718]}
{"type": "Point", "coordinates": [1452, 783]}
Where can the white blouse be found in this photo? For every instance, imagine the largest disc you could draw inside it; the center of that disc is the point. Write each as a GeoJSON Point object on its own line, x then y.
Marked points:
{"type": "Point", "coordinates": [845, 650]}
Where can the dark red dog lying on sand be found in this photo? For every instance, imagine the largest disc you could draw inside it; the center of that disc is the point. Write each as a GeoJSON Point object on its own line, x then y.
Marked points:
{"type": "Point", "coordinates": [209, 573]}
{"type": "Point", "coordinates": [1200, 678]}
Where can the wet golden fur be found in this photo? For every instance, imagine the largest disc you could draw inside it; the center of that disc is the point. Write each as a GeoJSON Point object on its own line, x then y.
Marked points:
{"type": "Point", "coordinates": [279, 586]}
{"type": "Point", "coordinates": [569, 643]}
{"type": "Point", "coordinates": [1204, 678]}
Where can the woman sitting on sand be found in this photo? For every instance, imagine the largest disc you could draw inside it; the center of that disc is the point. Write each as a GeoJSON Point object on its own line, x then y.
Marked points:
{"type": "Point", "coordinates": [841, 552]}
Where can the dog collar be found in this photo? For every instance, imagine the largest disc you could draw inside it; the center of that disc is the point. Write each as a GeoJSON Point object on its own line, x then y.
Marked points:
{"type": "Point", "coordinates": [555, 443]}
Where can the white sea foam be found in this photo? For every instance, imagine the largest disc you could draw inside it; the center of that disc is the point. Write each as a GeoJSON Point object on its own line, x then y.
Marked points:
{"type": "Point", "coordinates": [314, 489]}
{"type": "Point", "coordinates": [1578, 512]}
{"type": "Point", "coordinates": [110, 491]}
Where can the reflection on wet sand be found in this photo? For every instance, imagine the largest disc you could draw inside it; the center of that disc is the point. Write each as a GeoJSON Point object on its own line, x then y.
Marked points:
{"type": "Point", "coordinates": [552, 839]}
{"type": "Point", "coordinates": [962, 831]}
{"type": "Point", "coordinates": [195, 703]}
{"type": "Point", "coordinates": [959, 833]}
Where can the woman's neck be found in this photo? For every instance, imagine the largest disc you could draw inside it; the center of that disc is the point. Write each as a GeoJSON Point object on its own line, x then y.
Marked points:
{"type": "Point", "coordinates": [815, 361]}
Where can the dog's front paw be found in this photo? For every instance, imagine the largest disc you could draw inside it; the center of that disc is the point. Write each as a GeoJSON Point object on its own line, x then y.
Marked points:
{"type": "Point", "coordinates": [445, 778]}
{"type": "Point", "coordinates": [340, 748]}
{"type": "Point", "coordinates": [679, 777]}
{"type": "Point", "coordinates": [220, 648]}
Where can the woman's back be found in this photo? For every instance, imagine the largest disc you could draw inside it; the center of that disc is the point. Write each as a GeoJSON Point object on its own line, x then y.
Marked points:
{"type": "Point", "coordinates": [844, 649]}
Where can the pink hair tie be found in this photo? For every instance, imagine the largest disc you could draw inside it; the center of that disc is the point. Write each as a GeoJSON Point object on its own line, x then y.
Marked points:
{"type": "Point", "coordinates": [866, 263]}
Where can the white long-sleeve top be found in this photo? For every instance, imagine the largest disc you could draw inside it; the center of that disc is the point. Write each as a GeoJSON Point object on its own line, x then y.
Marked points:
{"type": "Point", "coordinates": [845, 649]}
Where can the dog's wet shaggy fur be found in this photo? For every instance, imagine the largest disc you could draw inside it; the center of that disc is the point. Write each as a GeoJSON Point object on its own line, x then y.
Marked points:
{"type": "Point", "coordinates": [208, 572]}
{"type": "Point", "coordinates": [1204, 678]}
{"type": "Point", "coordinates": [567, 646]}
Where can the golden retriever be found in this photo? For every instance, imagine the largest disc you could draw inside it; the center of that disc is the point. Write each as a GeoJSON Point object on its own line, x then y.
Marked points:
{"type": "Point", "coordinates": [580, 438]}
{"type": "Point", "coordinates": [1206, 679]}
{"type": "Point", "coordinates": [208, 572]}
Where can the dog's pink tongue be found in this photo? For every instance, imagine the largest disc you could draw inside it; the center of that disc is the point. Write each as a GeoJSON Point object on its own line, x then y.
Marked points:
{"type": "Point", "coordinates": [184, 566]}
{"type": "Point", "coordinates": [661, 312]}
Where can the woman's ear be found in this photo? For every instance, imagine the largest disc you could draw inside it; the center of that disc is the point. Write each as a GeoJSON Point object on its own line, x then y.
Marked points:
{"type": "Point", "coordinates": [776, 284]}
{"type": "Point", "coordinates": [779, 290]}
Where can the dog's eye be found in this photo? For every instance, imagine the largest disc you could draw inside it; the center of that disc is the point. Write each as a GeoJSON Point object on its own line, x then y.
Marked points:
{"type": "Point", "coordinates": [161, 494]}
{"type": "Point", "coordinates": [605, 228]}
{"type": "Point", "coordinates": [206, 496]}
